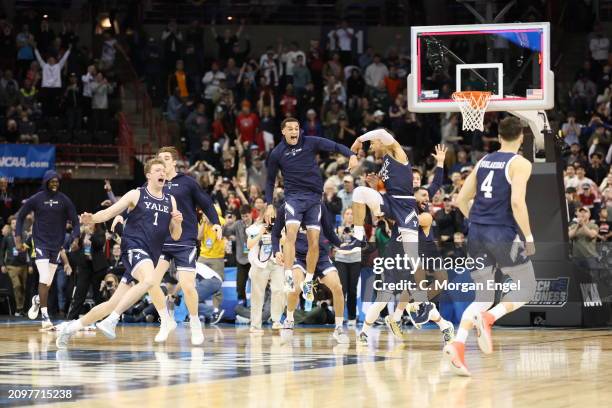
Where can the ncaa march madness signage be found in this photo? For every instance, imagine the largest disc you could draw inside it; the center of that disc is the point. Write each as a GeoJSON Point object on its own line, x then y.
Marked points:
{"type": "Point", "coordinates": [26, 161]}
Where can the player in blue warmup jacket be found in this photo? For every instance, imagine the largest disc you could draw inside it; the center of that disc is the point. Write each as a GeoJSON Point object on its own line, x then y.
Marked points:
{"type": "Point", "coordinates": [189, 196]}
{"type": "Point", "coordinates": [498, 187]}
{"type": "Point", "coordinates": [295, 157]}
{"type": "Point", "coordinates": [325, 271]}
{"type": "Point", "coordinates": [51, 210]}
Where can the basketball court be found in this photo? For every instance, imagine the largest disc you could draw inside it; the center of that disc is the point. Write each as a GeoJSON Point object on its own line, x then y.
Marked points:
{"type": "Point", "coordinates": [492, 67]}
{"type": "Point", "coordinates": [531, 367]}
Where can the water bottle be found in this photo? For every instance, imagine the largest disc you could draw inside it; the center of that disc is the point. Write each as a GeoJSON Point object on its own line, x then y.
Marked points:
{"type": "Point", "coordinates": [338, 220]}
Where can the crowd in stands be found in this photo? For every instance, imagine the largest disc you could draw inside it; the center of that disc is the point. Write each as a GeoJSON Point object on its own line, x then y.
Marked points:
{"type": "Point", "coordinates": [53, 89]}
{"type": "Point", "coordinates": [227, 114]}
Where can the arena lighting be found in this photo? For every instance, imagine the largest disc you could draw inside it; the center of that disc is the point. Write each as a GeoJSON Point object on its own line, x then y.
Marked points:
{"type": "Point", "coordinates": [230, 18]}
{"type": "Point", "coordinates": [45, 16]}
{"type": "Point", "coordinates": [105, 23]}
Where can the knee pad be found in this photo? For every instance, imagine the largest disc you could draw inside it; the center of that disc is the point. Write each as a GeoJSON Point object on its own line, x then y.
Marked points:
{"type": "Point", "coordinates": [46, 271]}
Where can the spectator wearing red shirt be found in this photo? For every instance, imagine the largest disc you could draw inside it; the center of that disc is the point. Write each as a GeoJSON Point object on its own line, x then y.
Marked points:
{"type": "Point", "coordinates": [247, 125]}
{"type": "Point", "coordinates": [586, 196]}
{"type": "Point", "coordinates": [288, 103]}
{"type": "Point", "coordinates": [393, 83]}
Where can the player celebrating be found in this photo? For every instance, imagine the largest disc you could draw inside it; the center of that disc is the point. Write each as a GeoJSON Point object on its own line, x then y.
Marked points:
{"type": "Point", "coordinates": [152, 213]}
{"type": "Point", "coordinates": [188, 195]}
{"type": "Point", "coordinates": [51, 211]}
{"type": "Point", "coordinates": [497, 185]}
{"type": "Point", "coordinates": [325, 270]}
{"type": "Point", "coordinates": [69, 329]}
{"type": "Point", "coordinates": [295, 156]}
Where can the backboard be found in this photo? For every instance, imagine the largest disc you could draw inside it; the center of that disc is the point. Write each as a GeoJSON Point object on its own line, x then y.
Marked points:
{"type": "Point", "coordinates": [512, 61]}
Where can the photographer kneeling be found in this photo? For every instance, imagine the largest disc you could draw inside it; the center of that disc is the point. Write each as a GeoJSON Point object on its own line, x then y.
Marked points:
{"type": "Point", "coordinates": [263, 269]}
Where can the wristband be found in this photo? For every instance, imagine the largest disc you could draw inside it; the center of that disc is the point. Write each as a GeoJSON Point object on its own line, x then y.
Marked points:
{"type": "Point", "coordinates": [529, 238]}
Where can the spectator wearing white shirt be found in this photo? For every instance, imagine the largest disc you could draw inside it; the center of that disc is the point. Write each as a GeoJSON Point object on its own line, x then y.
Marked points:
{"type": "Point", "coordinates": [599, 45]}
{"type": "Point", "coordinates": [51, 89]}
{"type": "Point", "coordinates": [100, 89]}
{"type": "Point", "coordinates": [87, 81]}
{"type": "Point", "coordinates": [212, 81]}
{"type": "Point", "coordinates": [290, 60]}
{"type": "Point", "coordinates": [375, 72]}
{"type": "Point", "coordinates": [268, 67]}
{"type": "Point", "coordinates": [109, 51]}
{"type": "Point", "coordinates": [264, 269]}
{"type": "Point", "coordinates": [344, 42]}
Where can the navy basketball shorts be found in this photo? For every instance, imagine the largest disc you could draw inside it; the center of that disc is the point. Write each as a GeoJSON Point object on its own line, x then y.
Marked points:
{"type": "Point", "coordinates": [401, 209]}
{"type": "Point", "coordinates": [496, 245]}
{"type": "Point", "coordinates": [184, 256]}
{"type": "Point", "coordinates": [303, 210]}
{"type": "Point", "coordinates": [132, 260]}
{"type": "Point", "coordinates": [324, 265]}
{"type": "Point", "coordinates": [51, 254]}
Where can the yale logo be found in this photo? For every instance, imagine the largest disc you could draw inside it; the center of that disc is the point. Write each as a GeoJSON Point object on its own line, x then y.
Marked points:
{"type": "Point", "coordinates": [51, 203]}
{"type": "Point", "coordinates": [157, 207]}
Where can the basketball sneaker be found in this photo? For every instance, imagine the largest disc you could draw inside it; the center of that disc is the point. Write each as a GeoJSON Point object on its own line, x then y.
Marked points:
{"type": "Point", "coordinates": [394, 328]}
{"type": "Point", "coordinates": [308, 290]}
{"type": "Point", "coordinates": [289, 285]}
{"type": "Point", "coordinates": [484, 323]}
{"type": "Point", "coordinates": [340, 336]}
{"type": "Point", "coordinates": [256, 330]}
{"type": "Point", "coordinates": [197, 335]}
{"type": "Point", "coordinates": [33, 312]}
{"type": "Point", "coordinates": [287, 331]}
{"type": "Point", "coordinates": [46, 322]}
{"type": "Point", "coordinates": [107, 327]}
{"type": "Point", "coordinates": [63, 336]}
{"type": "Point", "coordinates": [421, 316]}
{"type": "Point", "coordinates": [277, 326]}
{"type": "Point", "coordinates": [454, 353]}
{"type": "Point", "coordinates": [362, 339]}
{"type": "Point", "coordinates": [217, 316]}
{"type": "Point", "coordinates": [448, 335]}
{"type": "Point", "coordinates": [164, 330]}
{"type": "Point", "coordinates": [351, 324]}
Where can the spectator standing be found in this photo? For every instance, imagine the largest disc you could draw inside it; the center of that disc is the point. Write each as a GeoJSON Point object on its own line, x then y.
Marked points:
{"type": "Point", "coordinates": [14, 262]}
{"type": "Point", "coordinates": [100, 89]}
{"type": "Point", "coordinates": [583, 233]}
{"type": "Point", "coordinates": [344, 42]}
{"type": "Point", "coordinates": [376, 72]}
{"type": "Point", "coordinates": [348, 264]}
{"type": "Point", "coordinates": [51, 90]}
{"type": "Point", "coordinates": [8, 205]}
{"type": "Point", "coordinates": [172, 39]}
{"type": "Point", "coordinates": [72, 104]}
{"type": "Point", "coordinates": [236, 231]}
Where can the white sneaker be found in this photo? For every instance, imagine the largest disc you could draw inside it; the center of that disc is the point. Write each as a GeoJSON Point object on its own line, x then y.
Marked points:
{"type": "Point", "coordinates": [46, 323]}
{"type": "Point", "coordinates": [33, 312]}
{"type": "Point", "coordinates": [351, 324]}
{"type": "Point", "coordinates": [256, 330]}
{"type": "Point", "coordinates": [107, 327]}
{"type": "Point", "coordinates": [197, 335]}
{"type": "Point", "coordinates": [63, 336]}
{"type": "Point", "coordinates": [164, 330]}
{"type": "Point", "coordinates": [340, 336]}
{"type": "Point", "coordinates": [286, 332]}
{"type": "Point", "coordinates": [277, 326]}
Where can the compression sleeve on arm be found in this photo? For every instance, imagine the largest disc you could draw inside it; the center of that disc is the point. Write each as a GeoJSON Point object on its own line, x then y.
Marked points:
{"type": "Point", "coordinates": [378, 134]}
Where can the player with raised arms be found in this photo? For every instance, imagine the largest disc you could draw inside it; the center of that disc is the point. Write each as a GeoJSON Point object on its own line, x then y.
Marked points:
{"type": "Point", "coordinates": [151, 215]}
{"type": "Point", "coordinates": [498, 186]}
{"type": "Point", "coordinates": [295, 157]}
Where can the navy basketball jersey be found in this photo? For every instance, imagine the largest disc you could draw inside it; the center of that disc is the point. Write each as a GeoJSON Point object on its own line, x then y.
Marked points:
{"type": "Point", "coordinates": [396, 176]}
{"type": "Point", "coordinates": [493, 190]}
{"type": "Point", "coordinates": [148, 224]}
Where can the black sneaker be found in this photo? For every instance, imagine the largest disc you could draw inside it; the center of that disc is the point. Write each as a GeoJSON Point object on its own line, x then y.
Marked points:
{"type": "Point", "coordinates": [217, 316]}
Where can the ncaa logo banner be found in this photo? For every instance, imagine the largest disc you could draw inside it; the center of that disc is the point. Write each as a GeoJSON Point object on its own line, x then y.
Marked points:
{"type": "Point", "coordinates": [26, 161]}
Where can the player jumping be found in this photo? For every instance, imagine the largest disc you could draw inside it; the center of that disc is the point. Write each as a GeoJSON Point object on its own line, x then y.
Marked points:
{"type": "Point", "coordinates": [295, 157]}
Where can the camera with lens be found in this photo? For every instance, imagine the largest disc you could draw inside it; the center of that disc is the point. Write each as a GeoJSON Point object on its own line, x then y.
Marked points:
{"type": "Point", "coordinates": [270, 226]}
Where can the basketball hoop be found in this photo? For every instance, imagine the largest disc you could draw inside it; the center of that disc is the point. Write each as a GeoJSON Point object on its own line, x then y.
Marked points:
{"type": "Point", "coordinates": [473, 105]}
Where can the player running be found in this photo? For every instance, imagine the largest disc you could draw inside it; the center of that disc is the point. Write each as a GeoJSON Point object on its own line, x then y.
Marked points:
{"type": "Point", "coordinates": [189, 196]}
{"type": "Point", "coordinates": [151, 215]}
{"type": "Point", "coordinates": [295, 157]}
{"type": "Point", "coordinates": [51, 211]}
{"type": "Point", "coordinates": [498, 185]}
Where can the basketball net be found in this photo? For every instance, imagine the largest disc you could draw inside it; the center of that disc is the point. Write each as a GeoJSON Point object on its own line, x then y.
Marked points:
{"type": "Point", "coordinates": [473, 105]}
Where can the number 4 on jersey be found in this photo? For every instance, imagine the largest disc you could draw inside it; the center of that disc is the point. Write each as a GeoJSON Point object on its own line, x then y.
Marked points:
{"type": "Point", "coordinates": [486, 186]}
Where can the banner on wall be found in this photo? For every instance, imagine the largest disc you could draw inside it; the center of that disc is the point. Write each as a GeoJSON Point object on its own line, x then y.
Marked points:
{"type": "Point", "coordinates": [26, 161]}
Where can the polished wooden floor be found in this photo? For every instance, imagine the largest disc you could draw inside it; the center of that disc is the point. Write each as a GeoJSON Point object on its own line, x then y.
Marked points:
{"type": "Point", "coordinates": [530, 368]}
